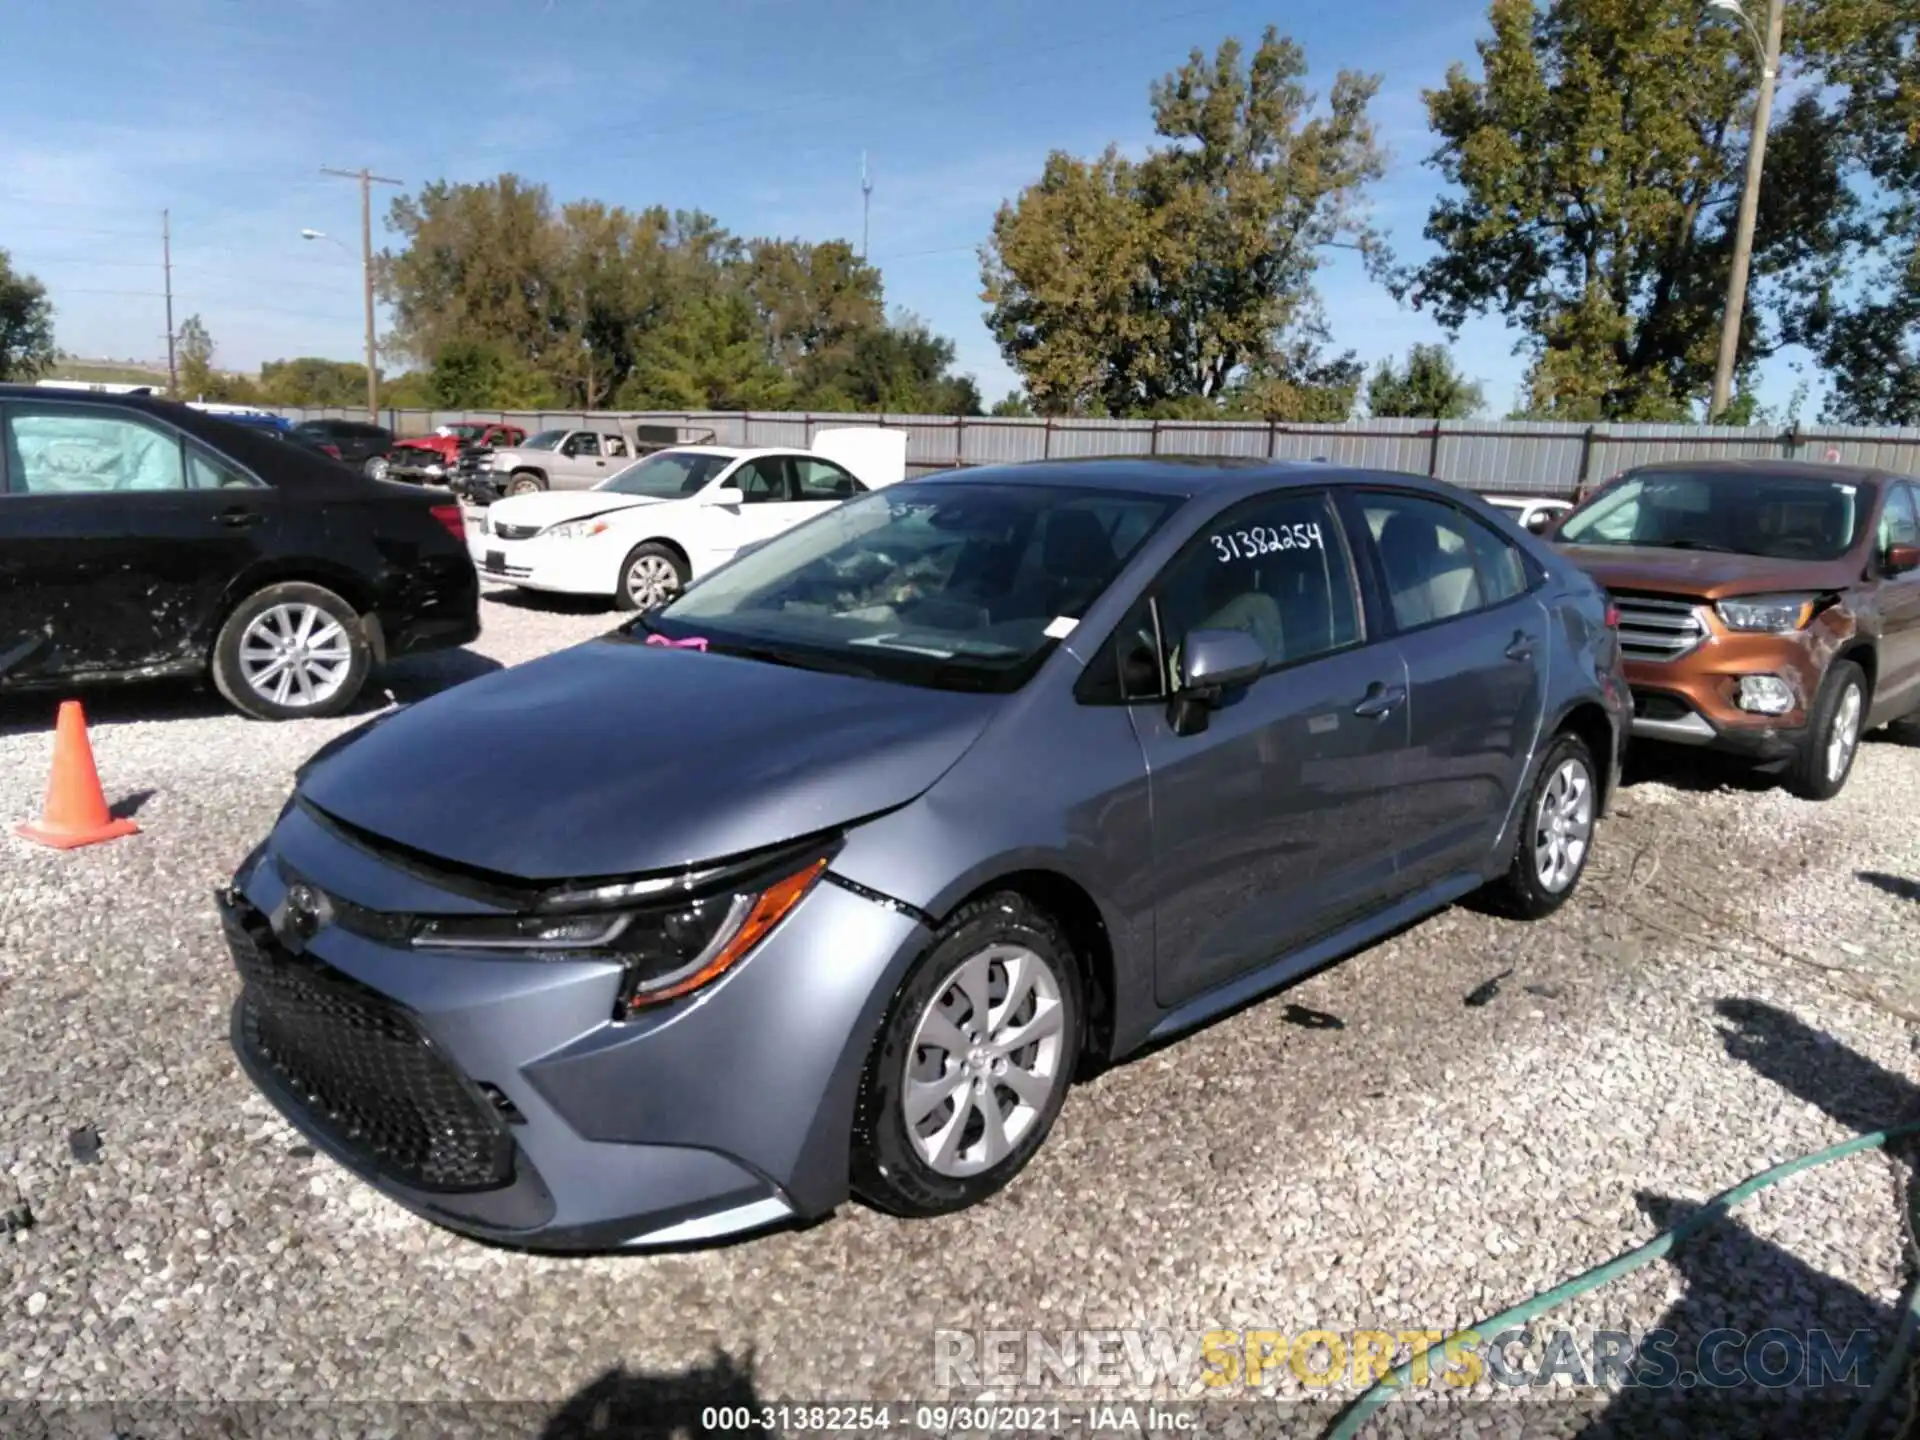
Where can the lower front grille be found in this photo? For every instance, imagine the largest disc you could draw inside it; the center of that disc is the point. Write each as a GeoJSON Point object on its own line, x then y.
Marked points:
{"type": "Point", "coordinates": [363, 1070]}
{"type": "Point", "coordinates": [516, 532]}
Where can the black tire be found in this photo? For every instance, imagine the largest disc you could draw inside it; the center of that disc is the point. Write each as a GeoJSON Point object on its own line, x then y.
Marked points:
{"type": "Point", "coordinates": [1809, 774]}
{"type": "Point", "coordinates": [525, 482]}
{"type": "Point", "coordinates": [652, 552]}
{"type": "Point", "coordinates": [1522, 893]}
{"type": "Point", "coordinates": [229, 675]}
{"type": "Point", "coordinates": [887, 1171]}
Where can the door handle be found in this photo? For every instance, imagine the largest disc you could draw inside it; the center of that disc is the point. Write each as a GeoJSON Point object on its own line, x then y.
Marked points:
{"type": "Point", "coordinates": [1380, 701]}
{"type": "Point", "coordinates": [238, 517]}
{"type": "Point", "coordinates": [1520, 647]}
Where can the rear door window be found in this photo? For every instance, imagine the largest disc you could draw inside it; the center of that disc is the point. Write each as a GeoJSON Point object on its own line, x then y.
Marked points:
{"type": "Point", "coordinates": [79, 450]}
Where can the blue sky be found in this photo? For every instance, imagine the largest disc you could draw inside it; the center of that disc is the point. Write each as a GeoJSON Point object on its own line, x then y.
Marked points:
{"type": "Point", "coordinates": [223, 111]}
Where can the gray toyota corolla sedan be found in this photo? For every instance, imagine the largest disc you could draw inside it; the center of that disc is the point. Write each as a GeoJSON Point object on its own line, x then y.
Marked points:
{"type": "Point", "coordinates": [827, 876]}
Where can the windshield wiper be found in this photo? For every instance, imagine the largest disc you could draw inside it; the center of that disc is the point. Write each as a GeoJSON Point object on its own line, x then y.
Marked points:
{"type": "Point", "coordinates": [803, 660]}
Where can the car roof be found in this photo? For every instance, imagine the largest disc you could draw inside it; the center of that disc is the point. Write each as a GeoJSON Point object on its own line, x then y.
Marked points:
{"type": "Point", "coordinates": [1182, 476]}
{"type": "Point", "coordinates": [1818, 470]}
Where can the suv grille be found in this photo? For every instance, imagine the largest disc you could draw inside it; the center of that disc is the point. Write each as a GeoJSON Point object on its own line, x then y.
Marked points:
{"type": "Point", "coordinates": [516, 532]}
{"type": "Point", "coordinates": [1653, 629]}
{"type": "Point", "coordinates": [362, 1069]}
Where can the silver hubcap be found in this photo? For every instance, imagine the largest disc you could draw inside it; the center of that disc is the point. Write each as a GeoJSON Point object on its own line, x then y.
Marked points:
{"type": "Point", "coordinates": [523, 487]}
{"type": "Point", "coordinates": [651, 581]}
{"type": "Point", "coordinates": [1563, 826]}
{"type": "Point", "coordinates": [985, 1060]}
{"type": "Point", "coordinates": [377, 468]}
{"type": "Point", "coordinates": [1845, 733]}
{"type": "Point", "coordinates": [296, 655]}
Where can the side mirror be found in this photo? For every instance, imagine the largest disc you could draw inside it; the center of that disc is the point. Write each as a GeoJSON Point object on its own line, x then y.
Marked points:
{"type": "Point", "coordinates": [1902, 559]}
{"type": "Point", "coordinates": [723, 495]}
{"type": "Point", "coordinates": [1212, 661]}
{"type": "Point", "coordinates": [1539, 522]}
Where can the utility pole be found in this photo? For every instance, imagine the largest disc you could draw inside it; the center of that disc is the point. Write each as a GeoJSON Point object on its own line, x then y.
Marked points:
{"type": "Point", "coordinates": [166, 264]}
{"type": "Point", "coordinates": [1749, 200]}
{"type": "Point", "coordinates": [367, 182]}
{"type": "Point", "coordinates": [866, 203]}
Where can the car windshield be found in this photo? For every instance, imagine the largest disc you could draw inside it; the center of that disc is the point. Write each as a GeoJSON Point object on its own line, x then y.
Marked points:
{"type": "Point", "coordinates": [951, 584]}
{"type": "Point", "coordinates": [1740, 512]}
{"type": "Point", "coordinates": [545, 440]}
{"type": "Point", "coordinates": [667, 475]}
{"type": "Point", "coordinates": [460, 432]}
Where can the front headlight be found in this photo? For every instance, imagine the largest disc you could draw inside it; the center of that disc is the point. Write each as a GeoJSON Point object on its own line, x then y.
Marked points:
{"type": "Point", "coordinates": [667, 948]}
{"type": "Point", "coordinates": [1767, 614]}
{"type": "Point", "coordinates": [573, 530]}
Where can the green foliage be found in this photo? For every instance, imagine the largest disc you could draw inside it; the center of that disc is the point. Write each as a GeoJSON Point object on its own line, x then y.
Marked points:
{"type": "Point", "coordinates": [1011, 406]}
{"type": "Point", "coordinates": [198, 379]}
{"type": "Point", "coordinates": [510, 301]}
{"type": "Point", "coordinates": [1119, 287]}
{"type": "Point", "coordinates": [1597, 164]}
{"type": "Point", "coordinates": [26, 324]}
{"type": "Point", "coordinates": [310, 380]}
{"type": "Point", "coordinates": [1428, 386]}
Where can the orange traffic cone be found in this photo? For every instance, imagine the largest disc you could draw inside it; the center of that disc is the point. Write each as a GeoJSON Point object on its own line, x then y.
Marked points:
{"type": "Point", "coordinates": [76, 810]}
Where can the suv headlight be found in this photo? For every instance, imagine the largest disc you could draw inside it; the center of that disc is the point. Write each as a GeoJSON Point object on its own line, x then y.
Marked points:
{"type": "Point", "coordinates": [667, 947]}
{"type": "Point", "coordinates": [1767, 614]}
{"type": "Point", "coordinates": [573, 530]}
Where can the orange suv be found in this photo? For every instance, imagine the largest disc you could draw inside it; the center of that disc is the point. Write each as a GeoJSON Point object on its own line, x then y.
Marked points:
{"type": "Point", "coordinates": [1768, 608]}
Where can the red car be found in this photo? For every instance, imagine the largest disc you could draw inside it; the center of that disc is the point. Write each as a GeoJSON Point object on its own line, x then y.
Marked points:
{"type": "Point", "coordinates": [429, 459]}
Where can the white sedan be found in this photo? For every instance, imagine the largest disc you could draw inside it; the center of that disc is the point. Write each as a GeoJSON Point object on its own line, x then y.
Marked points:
{"type": "Point", "coordinates": [645, 533]}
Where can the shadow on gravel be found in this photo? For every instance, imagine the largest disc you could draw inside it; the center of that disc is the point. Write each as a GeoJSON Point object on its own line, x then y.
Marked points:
{"type": "Point", "coordinates": [514, 598]}
{"type": "Point", "coordinates": [1757, 1321]}
{"type": "Point", "coordinates": [1701, 771]}
{"type": "Point", "coordinates": [625, 1403]}
{"type": "Point", "coordinates": [411, 678]}
{"type": "Point", "coordinates": [1892, 884]}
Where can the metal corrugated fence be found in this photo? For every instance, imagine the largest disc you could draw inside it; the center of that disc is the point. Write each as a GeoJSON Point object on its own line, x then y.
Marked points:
{"type": "Point", "coordinates": [1510, 456]}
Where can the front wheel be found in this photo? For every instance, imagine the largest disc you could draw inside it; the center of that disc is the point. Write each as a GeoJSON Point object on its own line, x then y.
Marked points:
{"type": "Point", "coordinates": [525, 482]}
{"type": "Point", "coordinates": [650, 576]}
{"type": "Point", "coordinates": [972, 1062]}
{"type": "Point", "coordinates": [376, 467]}
{"type": "Point", "coordinates": [291, 651]}
{"type": "Point", "coordinates": [1820, 770]}
{"type": "Point", "coordinates": [1556, 834]}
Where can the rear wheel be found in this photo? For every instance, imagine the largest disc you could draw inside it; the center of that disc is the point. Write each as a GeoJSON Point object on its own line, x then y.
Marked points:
{"type": "Point", "coordinates": [972, 1062]}
{"type": "Point", "coordinates": [291, 651]}
{"type": "Point", "coordinates": [650, 576]}
{"type": "Point", "coordinates": [1556, 834]}
{"type": "Point", "coordinates": [1820, 770]}
{"type": "Point", "coordinates": [525, 482]}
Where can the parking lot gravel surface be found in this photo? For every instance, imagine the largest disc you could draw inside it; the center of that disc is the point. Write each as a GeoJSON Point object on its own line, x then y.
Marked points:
{"type": "Point", "coordinates": [1418, 1137]}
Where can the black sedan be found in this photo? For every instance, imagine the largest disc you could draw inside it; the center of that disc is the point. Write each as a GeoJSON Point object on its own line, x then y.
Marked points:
{"type": "Point", "coordinates": [140, 538]}
{"type": "Point", "coordinates": [360, 444]}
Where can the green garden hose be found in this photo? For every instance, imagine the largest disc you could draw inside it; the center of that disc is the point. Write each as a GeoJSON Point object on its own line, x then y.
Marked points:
{"type": "Point", "coordinates": [1354, 1418]}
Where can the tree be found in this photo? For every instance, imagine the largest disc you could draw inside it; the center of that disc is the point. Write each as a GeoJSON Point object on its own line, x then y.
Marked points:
{"type": "Point", "coordinates": [26, 324]}
{"type": "Point", "coordinates": [1116, 286]}
{"type": "Point", "coordinates": [508, 300]}
{"type": "Point", "coordinates": [310, 380]}
{"type": "Point", "coordinates": [1597, 167]}
{"type": "Point", "coordinates": [1428, 386]}
{"type": "Point", "coordinates": [709, 356]}
{"type": "Point", "coordinates": [1012, 406]}
{"type": "Point", "coordinates": [196, 358]}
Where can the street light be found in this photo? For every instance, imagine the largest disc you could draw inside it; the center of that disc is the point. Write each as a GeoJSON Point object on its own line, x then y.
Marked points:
{"type": "Point", "coordinates": [1767, 48]}
{"type": "Point", "coordinates": [310, 234]}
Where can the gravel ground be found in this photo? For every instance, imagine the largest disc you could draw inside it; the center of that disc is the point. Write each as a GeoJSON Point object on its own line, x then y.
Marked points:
{"type": "Point", "coordinates": [1729, 990]}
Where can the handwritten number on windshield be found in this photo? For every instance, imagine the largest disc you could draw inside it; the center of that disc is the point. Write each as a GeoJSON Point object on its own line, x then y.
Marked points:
{"type": "Point", "coordinates": [1258, 540]}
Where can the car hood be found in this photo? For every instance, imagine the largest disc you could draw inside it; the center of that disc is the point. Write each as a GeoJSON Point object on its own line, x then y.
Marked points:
{"type": "Point", "coordinates": [616, 758]}
{"type": "Point", "coordinates": [550, 507]}
{"type": "Point", "coordinates": [1705, 574]}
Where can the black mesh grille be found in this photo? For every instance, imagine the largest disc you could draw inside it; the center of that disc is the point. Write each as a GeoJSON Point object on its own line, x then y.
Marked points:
{"type": "Point", "coordinates": [516, 532]}
{"type": "Point", "coordinates": [363, 1071]}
